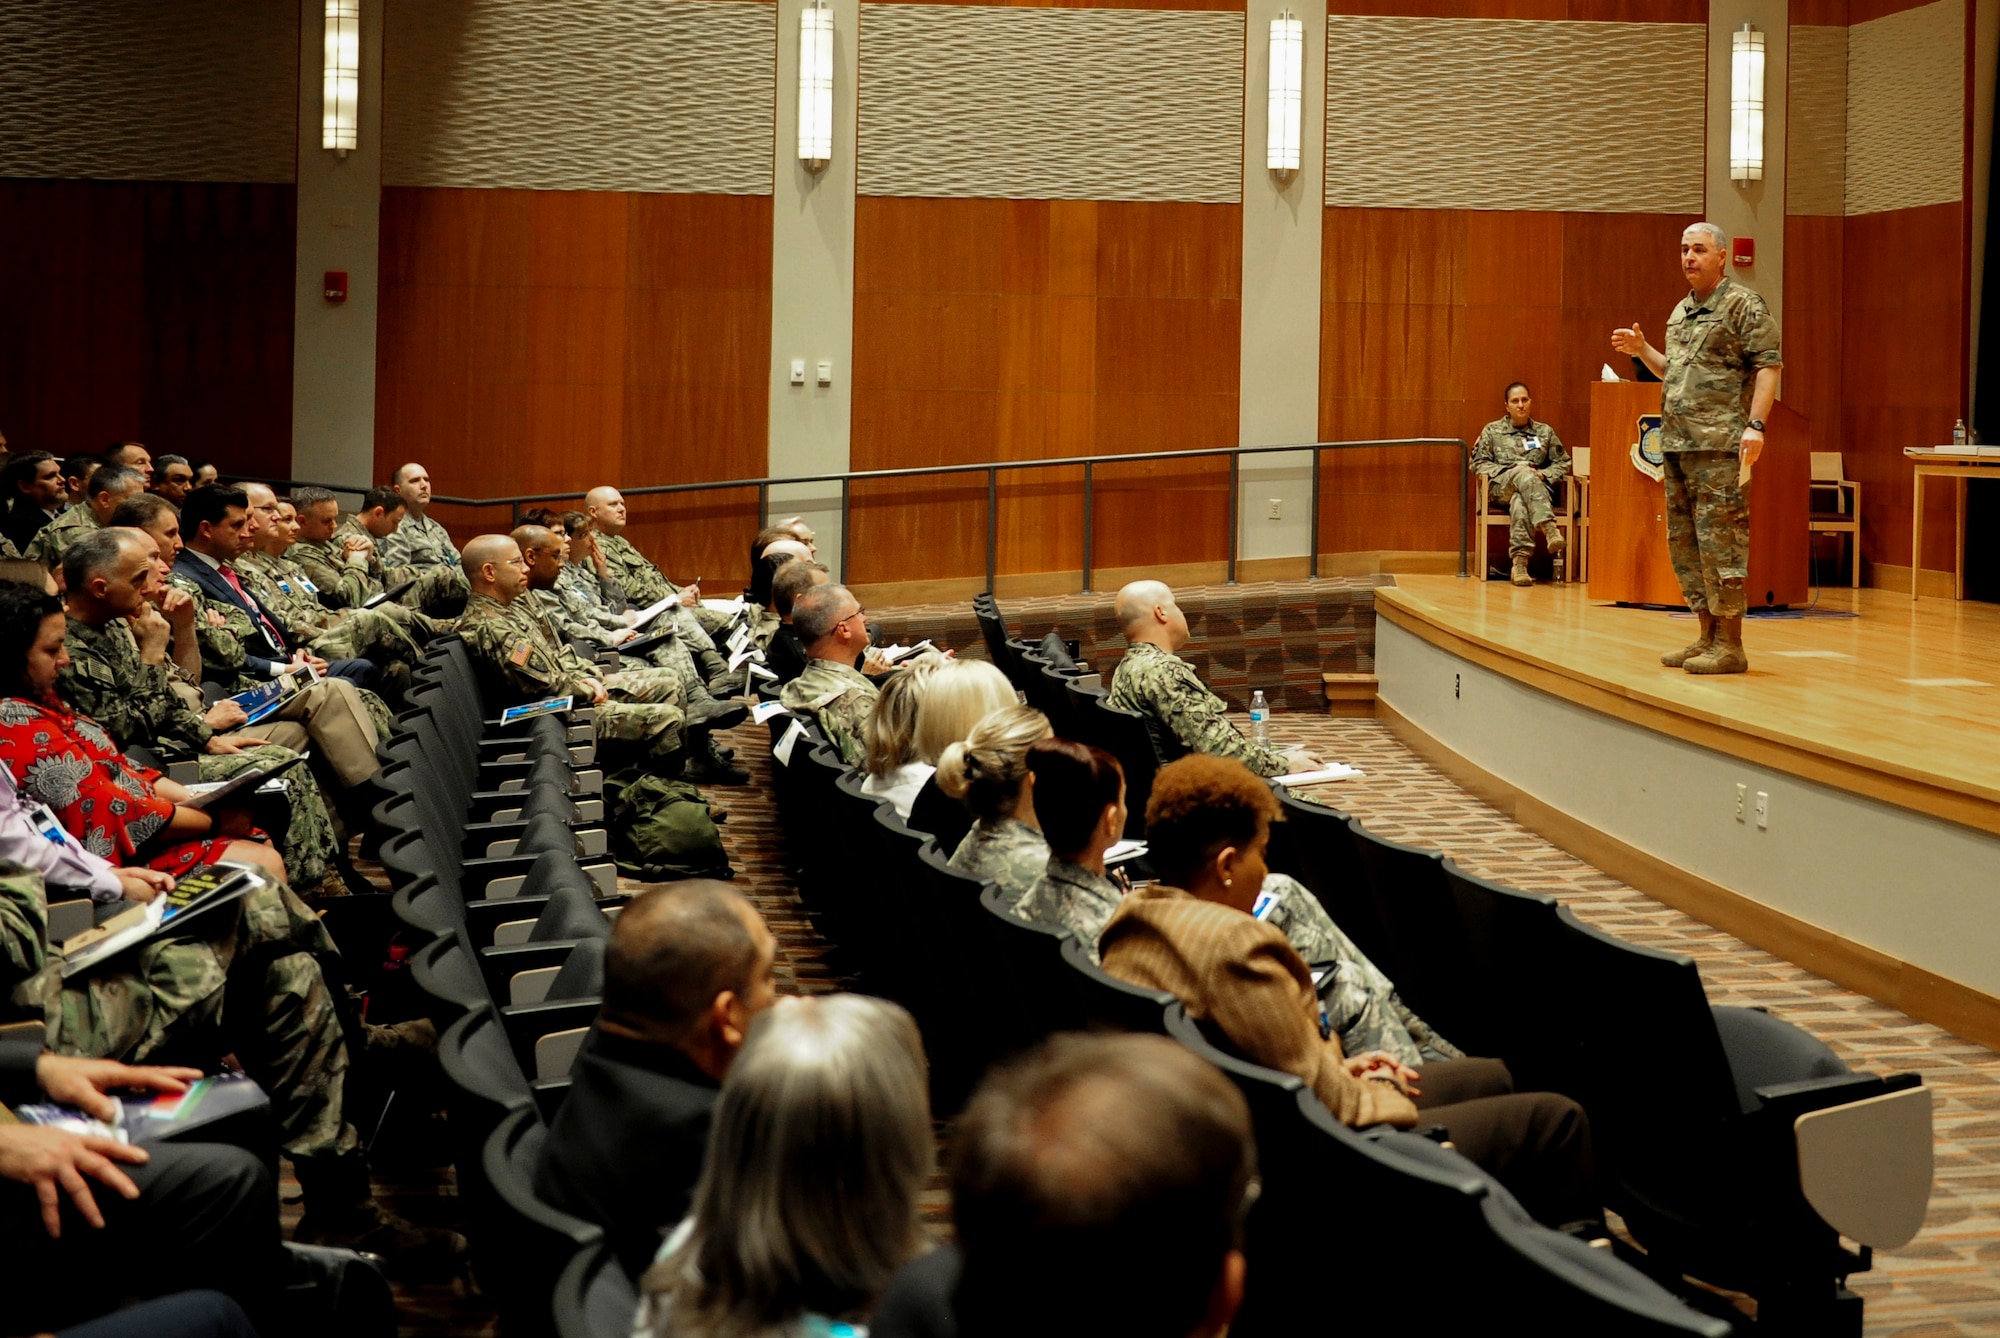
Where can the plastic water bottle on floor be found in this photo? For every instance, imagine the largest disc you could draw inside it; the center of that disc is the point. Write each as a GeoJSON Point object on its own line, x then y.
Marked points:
{"type": "Point", "coordinates": [1260, 717]}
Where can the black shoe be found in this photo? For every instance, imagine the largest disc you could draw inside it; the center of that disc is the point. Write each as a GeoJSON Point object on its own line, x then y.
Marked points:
{"type": "Point", "coordinates": [411, 1253]}
{"type": "Point", "coordinates": [713, 771]}
{"type": "Point", "coordinates": [712, 715]}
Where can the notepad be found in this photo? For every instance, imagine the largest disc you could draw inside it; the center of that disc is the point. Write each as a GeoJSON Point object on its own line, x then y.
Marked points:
{"type": "Point", "coordinates": [1331, 772]}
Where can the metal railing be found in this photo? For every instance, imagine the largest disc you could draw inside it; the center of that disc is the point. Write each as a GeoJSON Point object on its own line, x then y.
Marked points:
{"type": "Point", "coordinates": [993, 470]}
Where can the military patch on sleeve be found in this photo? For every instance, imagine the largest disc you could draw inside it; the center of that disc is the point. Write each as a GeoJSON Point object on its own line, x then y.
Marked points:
{"type": "Point", "coordinates": [522, 650]}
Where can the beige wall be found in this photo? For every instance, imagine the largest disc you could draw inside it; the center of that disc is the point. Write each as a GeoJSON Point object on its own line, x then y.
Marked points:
{"type": "Point", "coordinates": [1755, 209]}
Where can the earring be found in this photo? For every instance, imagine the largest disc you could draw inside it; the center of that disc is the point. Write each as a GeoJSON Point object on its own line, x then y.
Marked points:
{"type": "Point", "coordinates": [1229, 882]}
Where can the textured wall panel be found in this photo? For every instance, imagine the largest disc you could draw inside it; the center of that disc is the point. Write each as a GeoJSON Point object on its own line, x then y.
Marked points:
{"type": "Point", "coordinates": [973, 101]}
{"type": "Point", "coordinates": [670, 95]}
{"type": "Point", "coordinates": [1419, 115]}
{"type": "Point", "coordinates": [1905, 109]}
{"type": "Point", "coordinates": [1816, 155]}
{"type": "Point", "coordinates": [206, 90]}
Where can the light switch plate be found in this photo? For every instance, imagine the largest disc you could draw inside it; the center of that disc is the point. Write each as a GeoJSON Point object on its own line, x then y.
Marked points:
{"type": "Point", "coordinates": [798, 371]}
{"type": "Point", "coordinates": [826, 371]}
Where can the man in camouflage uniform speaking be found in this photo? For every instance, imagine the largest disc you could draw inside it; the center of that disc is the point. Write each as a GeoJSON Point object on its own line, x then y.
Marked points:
{"type": "Point", "coordinates": [1721, 374]}
{"type": "Point", "coordinates": [839, 697]}
{"type": "Point", "coordinates": [1181, 713]}
{"type": "Point", "coordinates": [520, 657]}
{"type": "Point", "coordinates": [1520, 459]}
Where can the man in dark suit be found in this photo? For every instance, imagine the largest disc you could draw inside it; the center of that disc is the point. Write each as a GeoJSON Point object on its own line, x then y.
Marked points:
{"type": "Point", "coordinates": [157, 1220]}
{"type": "Point", "coordinates": [688, 966]}
{"type": "Point", "coordinates": [216, 526]}
{"type": "Point", "coordinates": [35, 494]}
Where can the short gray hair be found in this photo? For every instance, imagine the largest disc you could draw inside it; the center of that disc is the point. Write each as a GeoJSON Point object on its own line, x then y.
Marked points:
{"type": "Point", "coordinates": [821, 1144]}
{"type": "Point", "coordinates": [94, 554]}
{"type": "Point", "coordinates": [816, 611]}
{"type": "Point", "coordinates": [1715, 234]}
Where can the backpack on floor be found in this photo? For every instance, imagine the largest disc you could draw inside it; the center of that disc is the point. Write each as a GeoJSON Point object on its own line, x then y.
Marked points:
{"type": "Point", "coordinates": [661, 830]}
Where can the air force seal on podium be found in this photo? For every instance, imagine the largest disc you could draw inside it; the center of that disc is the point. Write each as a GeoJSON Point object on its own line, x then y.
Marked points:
{"type": "Point", "coordinates": [1647, 456]}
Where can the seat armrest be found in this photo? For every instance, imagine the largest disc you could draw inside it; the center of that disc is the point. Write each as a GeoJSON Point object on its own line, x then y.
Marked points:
{"type": "Point", "coordinates": [498, 964]}
{"type": "Point", "coordinates": [482, 916]}
{"type": "Point", "coordinates": [1789, 1100]}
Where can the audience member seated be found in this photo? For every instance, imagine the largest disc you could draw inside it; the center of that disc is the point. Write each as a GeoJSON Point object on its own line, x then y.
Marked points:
{"type": "Point", "coordinates": [1125, 1156]}
{"type": "Point", "coordinates": [109, 485]}
{"type": "Point", "coordinates": [133, 455]}
{"type": "Point", "coordinates": [1180, 711]}
{"type": "Point", "coordinates": [831, 625]}
{"type": "Point", "coordinates": [77, 472]}
{"type": "Point", "coordinates": [173, 478]}
{"type": "Point", "coordinates": [281, 1021]}
{"type": "Point", "coordinates": [121, 676]}
{"type": "Point", "coordinates": [1192, 934]}
{"type": "Point", "coordinates": [895, 772]}
{"type": "Point", "coordinates": [989, 773]}
{"type": "Point", "coordinates": [205, 473]}
{"type": "Point", "coordinates": [1517, 459]}
{"type": "Point", "coordinates": [1081, 811]}
{"type": "Point", "coordinates": [645, 585]}
{"type": "Point", "coordinates": [419, 543]}
{"type": "Point", "coordinates": [343, 559]}
{"type": "Point", "coordinates": [688, 966]}
{"type": "Point", "coordinates": [786, 654]}
{"type": "Point", "coordinates": [35, 495]}
{"type": "Point", "coordinates": [960, 694]}
{"type": "Point", "coordinates": [809, 1202]}
{"type": "Point", "coordinates": [338, 718]}
{"type": "Point", "coordinates": [178, 1215]}
{"type": "Point", "coordinates": [520, 658]}
{"type": "Point", "coordinates": [585, 572]}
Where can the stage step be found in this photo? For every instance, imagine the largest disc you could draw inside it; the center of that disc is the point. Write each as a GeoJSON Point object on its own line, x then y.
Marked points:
{"type": "Point", "coordinates": [1350, 694]}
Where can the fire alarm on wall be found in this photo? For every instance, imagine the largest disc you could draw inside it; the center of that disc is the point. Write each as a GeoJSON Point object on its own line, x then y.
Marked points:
{"type": "Point", "coordinates": [1743, 251]}
{"type": "Point", "coordinates": [336, 285]}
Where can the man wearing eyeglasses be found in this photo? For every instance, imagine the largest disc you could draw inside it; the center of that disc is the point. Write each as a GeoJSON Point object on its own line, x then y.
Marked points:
{"type": "Point", "coordinates": [834, 627]}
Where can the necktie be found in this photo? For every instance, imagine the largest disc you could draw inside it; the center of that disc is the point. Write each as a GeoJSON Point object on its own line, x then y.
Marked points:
{"type": "Point", "coordinates": [256, 609]}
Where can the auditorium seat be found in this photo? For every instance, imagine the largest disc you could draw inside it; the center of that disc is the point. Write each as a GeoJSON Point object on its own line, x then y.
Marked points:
{"type": "Point", "coordinates": [1513, 936]}
{"type": "Point", "coordinates": [1102, 1002]}
{"type": "Point", "coordinates": [1314, 844]}
{"type": "Point", "coordinates": [593, 1297]}
{"type": "Point", "coordinates": [484, 1084]}
{"type": "Point", "coordinates": [522, 1245]}
{"type": "Point", "coordinates": [1434, 962]}
{"type": "Point", "coordinates": [1696, 1112]}
{"type": "Point", "coordinates": [1124, 734]}
{"type": "Point", "coordinates": [939, 816]}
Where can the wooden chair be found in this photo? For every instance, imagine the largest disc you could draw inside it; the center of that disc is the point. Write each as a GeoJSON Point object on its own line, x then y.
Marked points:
{"type": "Point", "coordinates": [1828, 476]}
{"type": "Point", "coordinates": [1563, 497]}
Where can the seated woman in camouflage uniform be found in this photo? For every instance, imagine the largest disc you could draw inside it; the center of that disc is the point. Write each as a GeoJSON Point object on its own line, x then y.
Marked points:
{"type": "Point", "coordinates": [989, 773]}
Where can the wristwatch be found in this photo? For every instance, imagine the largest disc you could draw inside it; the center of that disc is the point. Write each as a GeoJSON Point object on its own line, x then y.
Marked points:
{"type": "Point", "coordinates": [1756, 425]}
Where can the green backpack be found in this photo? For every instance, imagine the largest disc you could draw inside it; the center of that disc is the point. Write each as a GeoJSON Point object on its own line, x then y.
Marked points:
{"type": "Point", "coordinates": [660, 829]}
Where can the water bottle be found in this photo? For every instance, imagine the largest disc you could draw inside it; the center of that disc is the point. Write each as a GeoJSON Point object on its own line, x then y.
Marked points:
{"type": "Point", "coordinates": [1260, 717]}
{"type": "Point", "coordinates": [1958, 437]}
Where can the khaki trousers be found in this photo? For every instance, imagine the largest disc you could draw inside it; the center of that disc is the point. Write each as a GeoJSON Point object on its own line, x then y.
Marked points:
{"type": "Point", "coordinates": [329, 716]}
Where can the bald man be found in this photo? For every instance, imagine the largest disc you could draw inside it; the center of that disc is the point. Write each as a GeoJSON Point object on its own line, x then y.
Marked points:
{"type": "Point", "coordinates": [1183, 715]}
{"type": "Point", "coordinates": [419, 542]}
{"type": "Point", "coordinates": [645, 585]}
{"type": "Point", "coordinates": [688, 966]}
{"type": "Point", "coordinates": [520, 657]}
{"type": "Point", "coordinates": [546, 552]}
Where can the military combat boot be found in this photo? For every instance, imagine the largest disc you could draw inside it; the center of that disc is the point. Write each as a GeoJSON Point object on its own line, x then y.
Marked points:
{"type": "Point", "coordinates": [705, 766]}
{"type": "Point", "coordinates": [716, 673]}
{"type": "Point", "coordinates": [1726, 655]}
{"type": "Point", "coordinates": [341, 1211]}
{"type": "Point", "coordinates": [706, 712]}
{"type": "Point", "coordinates": [1521, 576]}
{"type": "Point", "coordinates": [1675, 659]}
{"type": "Point", "coordinates": [1553, 533]}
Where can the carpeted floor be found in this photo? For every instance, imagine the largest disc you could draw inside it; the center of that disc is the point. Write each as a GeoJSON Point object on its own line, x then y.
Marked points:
{"type": "Point", "coordinates": [1943, 1283]}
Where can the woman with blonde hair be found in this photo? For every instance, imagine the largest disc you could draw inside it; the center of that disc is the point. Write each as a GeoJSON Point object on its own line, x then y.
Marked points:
{"type": "Point", "coordinates": [989, 773]}
{"type": "Point", "coordinates": [822, 1142]}
{"type": "Point", "coordinates": [896, 771]}
{"type": "Point", "coordinates": [959, 696]}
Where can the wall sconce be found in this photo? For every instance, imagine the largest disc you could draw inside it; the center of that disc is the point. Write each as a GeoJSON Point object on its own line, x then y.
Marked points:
{"type": "Point", "coordinates": [1288, 58]}
{"type": "Point", "coordinates": [1746, 105]}
{"type": "Point", "coordinates": [815, 85]}
{"type": "Point", "coordinates": [340, 107]}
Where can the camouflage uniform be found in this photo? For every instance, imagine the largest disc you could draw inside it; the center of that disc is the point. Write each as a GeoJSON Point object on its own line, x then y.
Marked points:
{"type": "Point", "coordinates": [520, 657]}
{"type": "Point", "coordinates": [56, 536]}
{"type": "Point", "coordinates": [349, 582]}
{"type": "Point", "coordinates": [1069, 896]}
{"type": "Point", "coordinates": [582, 582]}
{"type": "Point", "coordinates": [252, 970]}
{"type": "Point", "coordinates": [577, 617]}
{"type": "Point", "coordinates": [1715, 349]}
{"type": "Point", "coordinates": [1361, 1004]}
{"type": "Point", "coordinates": [839, 697]}
{"type": "Point", "coordinates": [1008, 852]}
{"type": "Point", "coordinates": [1519, 465]}
{"type": "Point", "coordinates": [645, 585]}
{"type": "Point", "coordinates": [385, 634]}
{"type": "Point", "coordinates": [1182, 715]}
{"type": "Point", "coordinates": [420, 544]}
{"type": "Point", "coordinates": [135, 703]}
{"type": "Point", "coordinates": [222, 660]}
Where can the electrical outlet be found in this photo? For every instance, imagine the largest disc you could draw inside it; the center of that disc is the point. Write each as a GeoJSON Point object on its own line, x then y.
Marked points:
{"type": "Point", "coordinates": [1763, 811]}
{"type": "Point", "coordinates": [1742, 798]}
{"type": "Point", "coordinates": [1277, 509]}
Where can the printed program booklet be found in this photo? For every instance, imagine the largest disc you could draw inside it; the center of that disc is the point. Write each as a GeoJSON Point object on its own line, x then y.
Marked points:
{"type": "Point", "coordinates": [210, 886]}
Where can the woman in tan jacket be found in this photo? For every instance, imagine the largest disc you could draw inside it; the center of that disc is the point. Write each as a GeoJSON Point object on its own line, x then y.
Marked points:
{"type": "Point", "coordinates": [1192, 934]}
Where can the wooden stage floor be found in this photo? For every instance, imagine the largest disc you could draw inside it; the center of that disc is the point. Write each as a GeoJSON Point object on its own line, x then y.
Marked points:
{"type": "Point", "coordinates": [1901, 703]}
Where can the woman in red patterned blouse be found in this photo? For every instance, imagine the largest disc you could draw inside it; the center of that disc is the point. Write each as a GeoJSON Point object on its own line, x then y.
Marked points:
{"type": "Point", "coordinates": [124, 812]}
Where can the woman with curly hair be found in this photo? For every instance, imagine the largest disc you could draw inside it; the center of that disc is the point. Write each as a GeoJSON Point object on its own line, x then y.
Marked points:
{"type": "Point", "coordinates": [1208, 823]}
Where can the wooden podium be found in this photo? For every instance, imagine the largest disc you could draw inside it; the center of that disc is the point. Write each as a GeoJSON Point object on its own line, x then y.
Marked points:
{"type": "Point", "coordinates": [1628, 510]}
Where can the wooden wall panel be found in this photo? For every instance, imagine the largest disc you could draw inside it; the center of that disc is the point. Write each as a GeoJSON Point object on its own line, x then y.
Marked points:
{"type": "Point", "coordinates": [155, 311]}
{"type": "Point", "coordinates": [1813, 328]}
{"type": "Point", "coordinates": [558, 339]}
{"type": "Point", "coordinates": [1902, 360]}
{"type": "Point", "coordinates": [1601, 11]}
{"type": "Point", "coordinates": [1029, 329]}
{"type": "Point", "coordinates": [1427, 315]}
